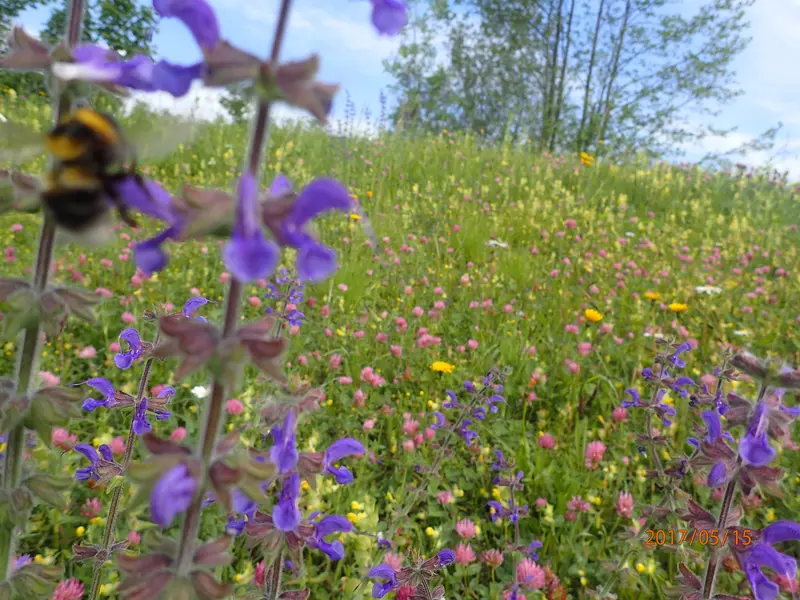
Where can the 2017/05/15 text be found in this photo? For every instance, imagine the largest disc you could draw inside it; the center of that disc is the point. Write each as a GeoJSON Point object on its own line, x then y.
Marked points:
{"type": "Point", "coordinates": [705, 537]}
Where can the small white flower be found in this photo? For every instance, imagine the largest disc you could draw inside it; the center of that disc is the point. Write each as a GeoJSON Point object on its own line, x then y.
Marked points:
{"type": "Point", "coordinates": [630, 234]}
{"type": "Point", "coordinates": [743, 332]}
{"type": "Point", "coordinates": [199, 391]}
{"type": "Point", "coordinates": [707, 289]}
{"type": "Point", "coordinates": [496, 244]}
{"type": "Point", "coordinates": [658, 336]}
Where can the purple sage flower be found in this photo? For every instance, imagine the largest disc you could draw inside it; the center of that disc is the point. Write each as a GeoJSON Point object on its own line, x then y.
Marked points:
{"type": "Point", "coordinates": [93, 456]}
{"type": "Point", "coordinates": [172, 494]}
{"type": "Point", "coordinates": [338, 450]}
{"type": "Point", "coordinates": [102, 385]}
{"type": "Point", "coordinates": [285, 514]}
{"type": "Point", "coordinates": [248, 255]}
{"type": "Point", "coordinates": [315, 262]}
{"type": "Point", "coordinates": [675, 357]}
{"type": "Point", "coordinates": [192, 305]}
{"type": "Point", "coordinates": [94, 64]}
{"type": "Point", "coordinates": [384, 571]}
{"type": "Point", "coordinates": [389, 16]}
{"type": "Point", "coordinates": [283, 453]}
{"type": "Point", "coordinates": [636, 399]}
{"type": "Point", "coordinates": [754, 447]}
{"type": "Point", "coordinates": [197, 15]}
{"type": "Point", "coordinates": [325, 527]}
{"type": "Point", "coordinates": [124, 360]}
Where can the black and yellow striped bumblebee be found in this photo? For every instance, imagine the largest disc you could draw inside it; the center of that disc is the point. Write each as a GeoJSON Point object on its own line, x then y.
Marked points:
{"type": "Point", "coordinates": [91, 157]}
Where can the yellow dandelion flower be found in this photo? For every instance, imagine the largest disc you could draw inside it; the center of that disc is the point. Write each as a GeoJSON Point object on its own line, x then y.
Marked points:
{"type": "Point", "coordinates": [678, 307]}
{"type": "Point", "coordinates": [355, 217]}
{"type": "Point", "coordinates": [442, 367]}
{"type": "Point", "coordinates": [593, 315]}
{"type": "Point", "coordinates": [652, 295]}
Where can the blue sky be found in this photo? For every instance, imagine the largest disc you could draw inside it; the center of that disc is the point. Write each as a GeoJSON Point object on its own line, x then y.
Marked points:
{"type": "Point", "coordinates": [352, 54]}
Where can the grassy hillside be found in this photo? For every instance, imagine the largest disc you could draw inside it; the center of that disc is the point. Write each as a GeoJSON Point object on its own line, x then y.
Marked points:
{"type": "Point", "coordinates": [496, 254]}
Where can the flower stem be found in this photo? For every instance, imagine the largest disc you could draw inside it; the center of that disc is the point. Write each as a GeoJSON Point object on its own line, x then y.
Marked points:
{"type": "Point", "coordinates": [233, 301]}
{"type": "Point", "coordinates": [113, 509]}
{"type": "Point", "coordinates": [28, 357]}
{"type": "Point", "coordinates": [727, 501]}
{"type": "Point", "coordinates": [272, 579]}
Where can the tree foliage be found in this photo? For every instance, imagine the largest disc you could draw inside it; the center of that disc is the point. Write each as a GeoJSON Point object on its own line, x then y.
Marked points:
{"type": "Point", "coordinates": [123, 25]}
{"type": "Point", "coordinates": [622, 75]}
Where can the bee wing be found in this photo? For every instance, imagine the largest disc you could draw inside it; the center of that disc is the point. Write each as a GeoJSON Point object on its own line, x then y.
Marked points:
{"type": "Point", "coordinates": [367, 226]}
{"type": "Point", "coordinates": [19, 143]}
{"type": "Point", "coordinates": [160, 139]}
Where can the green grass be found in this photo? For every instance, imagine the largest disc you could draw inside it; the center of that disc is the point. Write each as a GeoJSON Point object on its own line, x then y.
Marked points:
{"type": "Point", "coordinates": [660, 228]}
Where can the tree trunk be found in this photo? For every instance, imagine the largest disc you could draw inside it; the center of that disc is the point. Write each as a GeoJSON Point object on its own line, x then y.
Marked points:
{"type": "Point", "coordinates": [562, 80]}
{"type": "Point", "coordinates": [615, 70]}
{"type": "Point", "coordinates": [588, 88]}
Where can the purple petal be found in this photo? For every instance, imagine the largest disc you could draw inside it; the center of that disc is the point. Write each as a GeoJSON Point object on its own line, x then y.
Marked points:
{"type": "Point", "coordinates": [140, 423]}
{"type": "Point", "coordinates": [193, 304]}
{"type": "Point", "coordinates": [315, 262]}
{"type": "Point", "coordinates": [389, 16]}
{"type": "Point", "coordinates": [176, 79]}
{"type": "Point", "coordinates": [89, 452]}
{"type": "Point", "coordinates": [252, 258]}
{"type": "Point", "coordinates": [90, 404]}
{"type": "Point", "coordinates": [334, 550]}
{"type": "Point", "coordinates": [90, 53]}
{"type": "Point", "coordinates": [379, 590]}
{"type": "Point", "coordinates": [781, 531]}
{"type": "Point", "coordinates": [157, 203]}
{"type": "Point", "coordinates": [286, 514]}
{"type": "Point", "coordinates": [171, 495]}
{"type": "Point", "coordinates": [332, 524]}
{"type": "Point", "coordinates": [167, 392]}
{"type": "Point", "coordinates": [283, 453]}
{"type": "Point", "coordinates": [341, 448]}
{"type": "Point", "coordinates": [342, 475]}
{"type": "Point", "coordinates": [149, 255]}
{"type": "Point", "coordinates": [318, 197]}
{"type": "Point", "coordinates": [242, 504]}
{"type": "Point", "coordinates": [382, 571]}
{"type": "Point", "coordinates": [713, 423]}
{"type": "Point", "coordinates": [102, 385]}
{"type": "Point", "coordinates": [246, 221]}
{"type": "Point", "coordinates": [105, 452]}
{"type": "Point", "coordinates": [131, 337]}
{"type": "Point", "coordinates": [197, 15]}
{"type": "Point", "coordinates": [136, 73]}
{"type": "Point", "coordinates": [755, 447]}
{"type": "Point", "coordinates": [762, 588]}
{"type": "Point", "coordinates": [282, 185]}
{"type": "Point", "coordinates": [717, 475]}
{"type": "Point", "coordinates": [756, 450]}
{"type": "Point", "coordinates": [765, 555]}
{"type": "Point", "coordinates": [446, 557]}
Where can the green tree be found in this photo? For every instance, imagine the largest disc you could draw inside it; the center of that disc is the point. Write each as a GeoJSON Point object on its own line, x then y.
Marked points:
{"type": "Point", "coordinates": [596, 75]}
{"type": "Point", "coordinates": [123, 25]}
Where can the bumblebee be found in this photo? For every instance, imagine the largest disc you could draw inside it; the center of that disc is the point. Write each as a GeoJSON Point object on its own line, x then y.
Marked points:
{"type": "Point", "coordinates": [90, 156]}
{"type": "Point", "coordinates": [87, 146]}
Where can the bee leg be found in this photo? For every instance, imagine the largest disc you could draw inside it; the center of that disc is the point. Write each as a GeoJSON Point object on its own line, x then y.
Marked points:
{"type": "Point", "coordinates": [111, 192]}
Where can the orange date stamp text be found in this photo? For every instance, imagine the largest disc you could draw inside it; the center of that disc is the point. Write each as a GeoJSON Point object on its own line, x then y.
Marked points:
{"type": "Point", "coordinates": [704, 537]}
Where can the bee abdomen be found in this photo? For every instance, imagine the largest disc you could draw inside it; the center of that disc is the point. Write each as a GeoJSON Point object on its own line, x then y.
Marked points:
{"type": "Point", "coordinates": [75, 209]}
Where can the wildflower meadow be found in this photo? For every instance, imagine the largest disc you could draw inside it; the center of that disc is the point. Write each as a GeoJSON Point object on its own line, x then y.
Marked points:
{"type": "Point", "coordinates": [403, 366]}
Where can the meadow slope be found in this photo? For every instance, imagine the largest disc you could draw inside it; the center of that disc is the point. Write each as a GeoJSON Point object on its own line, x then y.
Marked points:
{"type": "Point", "coordinates": [488, 256]}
